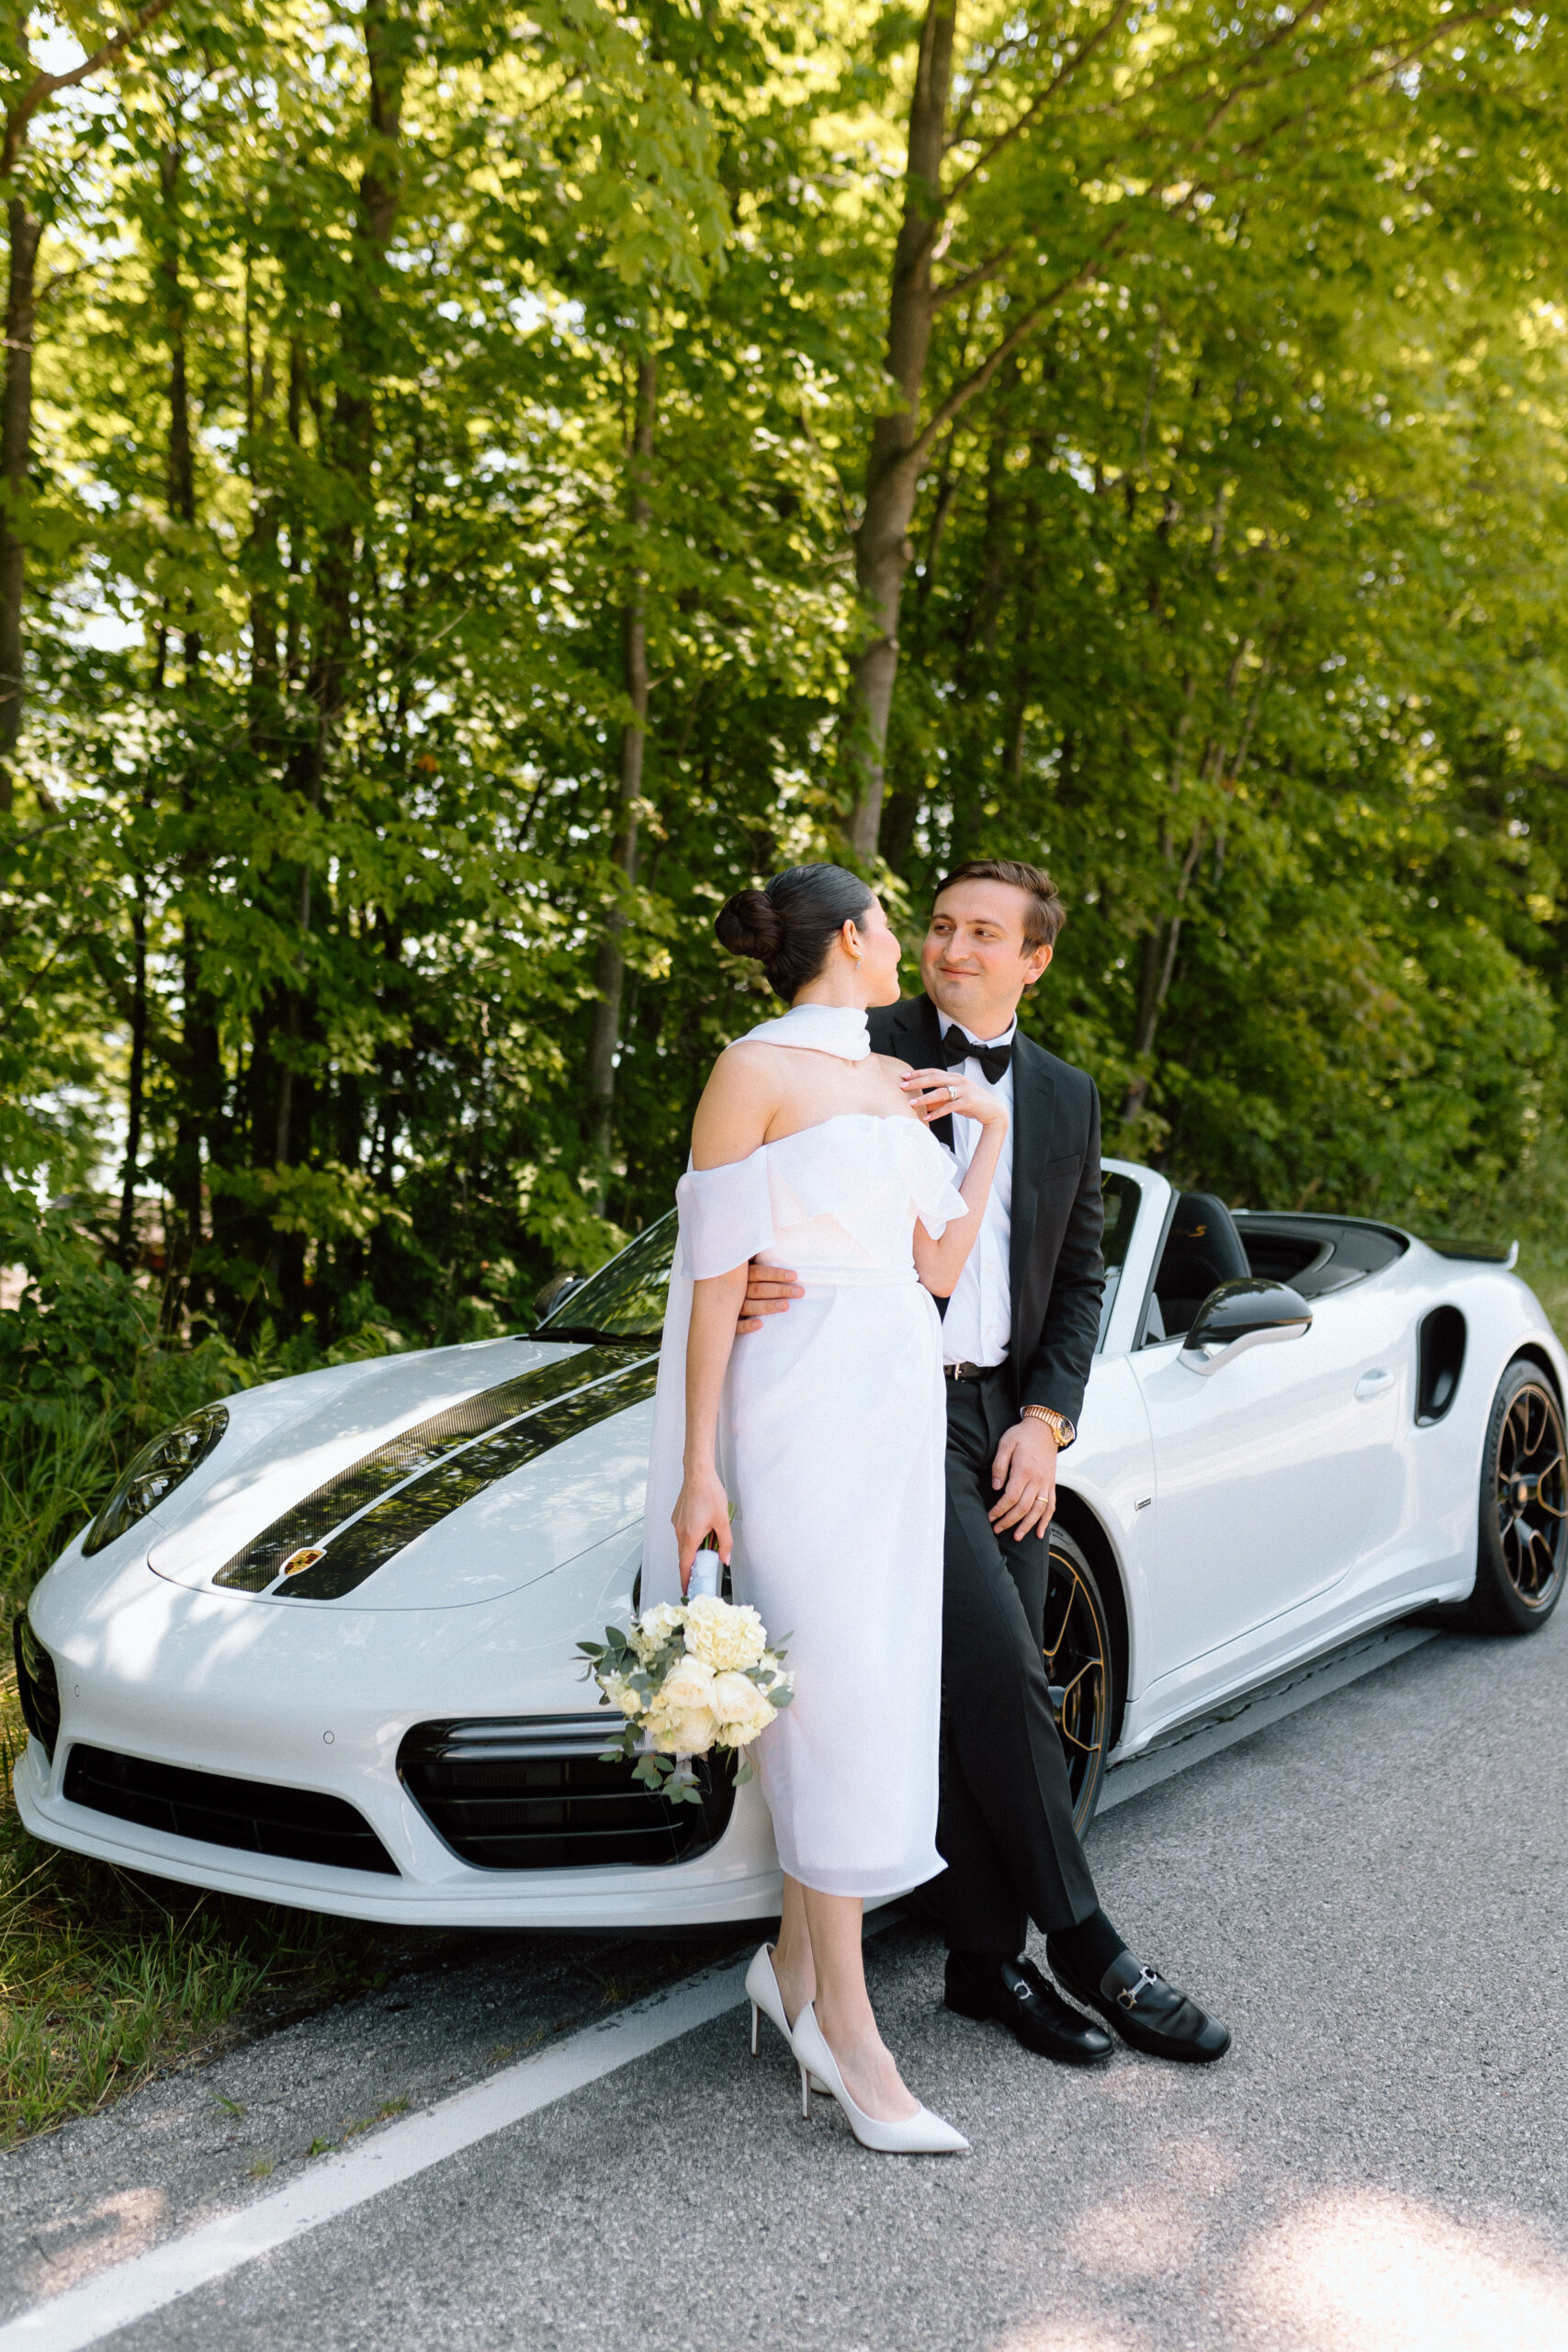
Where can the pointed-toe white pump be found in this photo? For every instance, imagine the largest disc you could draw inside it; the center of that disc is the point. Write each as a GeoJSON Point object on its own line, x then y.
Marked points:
{"type": "Point", "coordinates": [767, 2001]}
{"type": "Point", "coordinates": [920, 2134]}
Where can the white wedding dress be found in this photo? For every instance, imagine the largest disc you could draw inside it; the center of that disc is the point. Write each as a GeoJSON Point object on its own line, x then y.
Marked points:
{"type": "Point", "coordinates": [831, 1440]}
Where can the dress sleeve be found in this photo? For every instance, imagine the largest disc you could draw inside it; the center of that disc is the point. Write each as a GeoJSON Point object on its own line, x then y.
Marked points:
{"type": "Point", "coordinates": [726, 1216]}
{"type": "Point", "coordinates": [937, 1198]}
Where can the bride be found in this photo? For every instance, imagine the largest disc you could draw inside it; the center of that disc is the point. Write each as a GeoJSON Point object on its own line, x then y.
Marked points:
{"type": "Point", "coordinates": [811, 1456]}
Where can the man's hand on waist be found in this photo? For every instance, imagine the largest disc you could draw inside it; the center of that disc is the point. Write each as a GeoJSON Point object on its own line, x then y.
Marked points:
{"type": "Point", "coordinates": [769, 1290]}
{"type": "Point", "coordinates": [1025, 1472]}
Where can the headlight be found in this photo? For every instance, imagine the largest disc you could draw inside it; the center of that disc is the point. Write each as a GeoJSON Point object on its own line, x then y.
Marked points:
{"type": "Point", "coordinates": [157, 1470]}
{"type": "Point", "coordinates": [36, 1686]}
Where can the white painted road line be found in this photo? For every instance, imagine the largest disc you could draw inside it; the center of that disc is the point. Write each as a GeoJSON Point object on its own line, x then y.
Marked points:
{"type": "Point", "coordinates": [149, 2282]}
{"type": "Point", "coordinates": [334, 2185]}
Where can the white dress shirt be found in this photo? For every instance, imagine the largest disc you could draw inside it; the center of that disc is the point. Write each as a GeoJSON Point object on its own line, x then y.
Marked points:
{"type": "Point", "coordinates": [977, 1326]}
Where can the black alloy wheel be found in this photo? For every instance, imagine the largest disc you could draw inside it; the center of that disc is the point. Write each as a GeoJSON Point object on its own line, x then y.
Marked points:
{"type": "Point", "coordinates": [1079, 1671]}
{"type": "Point", "coordinates": [1522, 1556]}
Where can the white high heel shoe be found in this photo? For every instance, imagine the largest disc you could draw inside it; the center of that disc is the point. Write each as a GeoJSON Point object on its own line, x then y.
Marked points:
{"type": "Point", "coordinates": [920, 2134]}
{"type": "Point", "coordinates": [762, 1992]}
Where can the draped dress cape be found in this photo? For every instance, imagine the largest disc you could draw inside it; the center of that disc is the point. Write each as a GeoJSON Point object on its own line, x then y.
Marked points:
{"type": "Point", "coordinates": [831, 1440]}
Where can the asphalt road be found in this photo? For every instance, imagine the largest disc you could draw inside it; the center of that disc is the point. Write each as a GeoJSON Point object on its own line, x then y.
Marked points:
{"type": "Point", "coordinates": [1372, 1892]}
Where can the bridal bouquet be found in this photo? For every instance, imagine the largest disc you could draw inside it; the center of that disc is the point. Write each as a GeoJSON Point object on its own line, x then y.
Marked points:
{"type": "Point", "coordinates": [686, 1679]}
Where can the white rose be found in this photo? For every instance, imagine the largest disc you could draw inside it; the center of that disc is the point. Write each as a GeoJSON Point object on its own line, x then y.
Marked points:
{"type": "Point", "coordinates": [726, 1637]}
{"type": "Point", "coordinates": [688, 1684]}
{"type": "Point", "coordinates": [738, 1704]}
{"type": "Point", "coordinates": [620, 1693]}
{"type": "Point", "coordinates": [686, 1732]}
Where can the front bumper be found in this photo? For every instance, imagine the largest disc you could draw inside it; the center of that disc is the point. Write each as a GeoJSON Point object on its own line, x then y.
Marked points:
{"type": "Point", "coordinates": [737, 1880]}
{"type": "Point", "coordinates": [317, 1702]}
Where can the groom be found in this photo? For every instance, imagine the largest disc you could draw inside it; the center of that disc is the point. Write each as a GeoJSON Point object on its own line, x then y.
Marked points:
{"type": "Point", "coordinates": [1019, 1335]}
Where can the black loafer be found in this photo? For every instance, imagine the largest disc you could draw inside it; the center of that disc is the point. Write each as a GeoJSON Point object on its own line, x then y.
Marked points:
{"type": "Point", "coordinates": [1149, 2013]}
{"type": "Point", "coordinates": [1014, 1994]}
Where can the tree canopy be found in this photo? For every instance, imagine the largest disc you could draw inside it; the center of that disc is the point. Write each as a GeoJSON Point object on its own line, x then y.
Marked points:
{"type": "Point", "coordinates": [480, 484]}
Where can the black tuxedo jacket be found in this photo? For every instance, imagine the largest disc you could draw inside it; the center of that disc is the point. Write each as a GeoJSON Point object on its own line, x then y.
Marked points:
{"type": "Point", "coordinates": [1058, 1274]}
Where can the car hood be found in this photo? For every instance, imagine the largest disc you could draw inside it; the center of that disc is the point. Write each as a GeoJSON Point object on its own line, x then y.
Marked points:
{"type": "Point", "coordinates": [433, 1482]}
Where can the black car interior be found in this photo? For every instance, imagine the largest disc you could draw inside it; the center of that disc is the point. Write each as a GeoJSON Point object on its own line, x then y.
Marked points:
{"type": "Point", "coordinates": [1202, 1249]}
{"type": "Point", "coordinates": [1209, 1244]}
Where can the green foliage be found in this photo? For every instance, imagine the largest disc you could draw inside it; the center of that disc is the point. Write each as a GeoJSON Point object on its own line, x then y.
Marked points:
{"type": "Point", "coordinates": [86, 1377]}
{"type": "Point", "coordinates": [1237, 598]}
{"type": "Point", "coordinates": [102, 1984]}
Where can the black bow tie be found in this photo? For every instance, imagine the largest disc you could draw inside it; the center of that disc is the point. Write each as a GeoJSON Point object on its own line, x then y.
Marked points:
{"type": "Point", "coordinates": [993, 1059]}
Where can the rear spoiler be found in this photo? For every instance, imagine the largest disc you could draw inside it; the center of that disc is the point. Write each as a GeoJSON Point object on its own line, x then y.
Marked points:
{"type": "Point", "coordinates": [1486, 1253]}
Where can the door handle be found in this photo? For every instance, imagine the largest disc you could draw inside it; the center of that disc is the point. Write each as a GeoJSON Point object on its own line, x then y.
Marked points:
{"type": "Point", "coordinates": [1372, 1384]}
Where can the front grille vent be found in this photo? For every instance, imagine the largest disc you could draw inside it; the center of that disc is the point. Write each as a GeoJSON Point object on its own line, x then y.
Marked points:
{"type": "Point", "coordinates": [37, 1687]}
{"type": "Point", "coordinates": [298, 1824]}
{"type": "Point", "coordinates": [532, 1793]}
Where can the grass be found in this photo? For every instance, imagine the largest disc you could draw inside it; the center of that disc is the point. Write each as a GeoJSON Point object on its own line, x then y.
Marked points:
{"type": "Point", "coordinates": [52, 1479]}
{"type": "Point", "coordinates": [107, 1979]}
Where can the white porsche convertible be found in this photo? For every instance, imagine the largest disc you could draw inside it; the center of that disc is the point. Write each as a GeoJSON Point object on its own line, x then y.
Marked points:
{"type": "Point", "coordinates": [320, 1647]}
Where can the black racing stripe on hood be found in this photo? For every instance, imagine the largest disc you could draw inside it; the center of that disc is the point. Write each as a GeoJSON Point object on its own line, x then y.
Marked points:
{"type": "Point", "coordinates": [396, 1522]}
{"type": "Point", "coordinates": [312, 1519]}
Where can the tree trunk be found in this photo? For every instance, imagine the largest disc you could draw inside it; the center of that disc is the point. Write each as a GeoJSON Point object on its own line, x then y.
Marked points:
{"type": "Point", "coordinates": [354, 422]}
{"type": "Point", "coordinates": [125, 1239]}
{"type": "Point", "coordinates": [352, 451]}
{"type": "Point", "coordinates": [1025, 597]}
{"type": "Point", "coordinates": [17, 382]}
{"type": "Point", "coordinates": [291, 629]}
{"type": "Point", "coordinates": [610, 969]}
{"type": "Point", "coordinates": [16, 449]}
{"type": "Point", "coordinates": [263, 549]}
{"type": "Point", "coordinates": [201, 1105]}
{"type": "Point", "coordinates": [883, 549]}
{"type": "Point", "coordinates": [1156, 971]}
{"type": "Point", "coordinates": [181, 470]}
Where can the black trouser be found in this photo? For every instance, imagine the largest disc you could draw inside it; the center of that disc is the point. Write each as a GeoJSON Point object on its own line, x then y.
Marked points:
{"type": "Point", "coordinates": [1006, 1824]}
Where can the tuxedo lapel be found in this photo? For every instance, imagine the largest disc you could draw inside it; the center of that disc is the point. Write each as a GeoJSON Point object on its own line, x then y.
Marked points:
{"type": "Point", "coordinates": [917, 1039]}
{"type": "Point", "coordinates": [1033, 1113]}
{"type": "Point", "coordinates": [917, 1032]}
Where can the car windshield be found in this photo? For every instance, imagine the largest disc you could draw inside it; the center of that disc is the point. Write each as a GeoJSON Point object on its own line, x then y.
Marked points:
{"type": "Point", "coordinates": [625, 1300]}
{"type": "Point", "coordinates": [1121, 1196]}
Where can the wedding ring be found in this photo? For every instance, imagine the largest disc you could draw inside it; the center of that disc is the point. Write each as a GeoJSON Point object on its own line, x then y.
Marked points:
{"type": "Point", "coordinates": [952, 1093]}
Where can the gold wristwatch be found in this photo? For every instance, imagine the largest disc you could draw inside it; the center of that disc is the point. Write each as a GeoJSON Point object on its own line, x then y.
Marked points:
{"type": "Point", "coordinates": [1061, 1429]}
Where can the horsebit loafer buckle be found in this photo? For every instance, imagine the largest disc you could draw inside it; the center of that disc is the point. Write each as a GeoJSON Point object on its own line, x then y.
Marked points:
{"type": "Point", "coordinates": [1128, 1993]}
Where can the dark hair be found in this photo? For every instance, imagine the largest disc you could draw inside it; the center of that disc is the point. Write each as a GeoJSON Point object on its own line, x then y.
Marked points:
{"type": "Point", "coordinates": [790, 925]}
{"type": "Point", "coordinates": [1046, 914]}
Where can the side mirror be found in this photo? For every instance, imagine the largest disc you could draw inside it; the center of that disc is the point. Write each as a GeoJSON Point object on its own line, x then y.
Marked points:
{"type": "Point", "coordinates": [551, 1294]}
{"type": "Point", "coordinates": [1243, 1314]}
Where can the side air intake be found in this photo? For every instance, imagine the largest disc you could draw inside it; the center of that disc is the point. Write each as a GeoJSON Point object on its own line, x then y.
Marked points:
{"type": "Point", "coordinates": [1440, 1363]}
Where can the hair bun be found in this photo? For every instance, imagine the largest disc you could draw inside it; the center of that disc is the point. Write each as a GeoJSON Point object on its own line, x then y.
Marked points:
{"type": "Point", "coordinates": [748, 924]}
{"type": "Point", "coordinates": [790, 927]}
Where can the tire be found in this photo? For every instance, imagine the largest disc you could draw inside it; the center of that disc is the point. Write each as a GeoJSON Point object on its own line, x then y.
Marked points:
{"type": "Point", "coordinates": [1080, 1671]}
{"type": "Point", "coordinates": [1522, 1551]}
